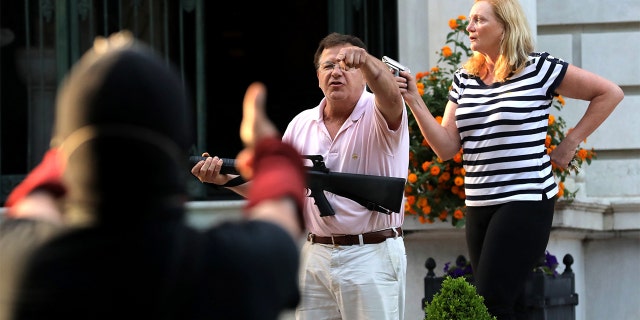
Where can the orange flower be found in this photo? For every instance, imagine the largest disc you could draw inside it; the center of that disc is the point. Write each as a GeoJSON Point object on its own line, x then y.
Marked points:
{"type": "Point", "coordinates": [426, 165]}
{"type": "Point", "coordinates": [409, 209]}
{"type": "Point", "coordinates": [552, 119]}
{"type": "Point", "coordinates": [458, 181]}
{"type": "Point", "coordinates": [446, 51]}
{"type": "Point", "coordinates": [445, 176]}
{"type": "Point", "coordinates": [547, 141]}
{"type": "Point", "coordinates": [424, 143]}
{"type": "Point", "coordinates": [560, 189]}
{"type": "Point", "coordinates": [582, 153]}
{"type": "Point", "coordinates": [457, 158]}
{"type": "Point", "coordinates": [435, 170]}
{"type": "Point", "coordinates": [411, 200]}
{"type": "Point", "coordinates": [462, 18]}
{"type": "Point", "coordinates": [412, 178]}
{"type": "Point", "coordinates": [458, 214]}
{"type": "Point", "coordinates": [560, 99]}
{"type": "Point", "coordinates": [422, 202]}
{"type": "Point", "coordinates": [453, 23]}
{"type": "Point", "coordinates": [443, 215]}
{"type": "Point", "coordinates": [435, 69]}
{"type": "Point", "coordinates": [439, 119]}
{"type": "Point", "coordinates": [426, 209]}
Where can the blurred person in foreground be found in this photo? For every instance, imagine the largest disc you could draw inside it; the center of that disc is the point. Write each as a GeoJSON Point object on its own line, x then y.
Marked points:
{"type": "Point", "coordinates": [498, 113]}
{"type": "Point", "coordinates": [123, 114]}
{"type": "Point", "coordinates": [354, 262]}
{"type": "Point", "coordinates": [33, 215]}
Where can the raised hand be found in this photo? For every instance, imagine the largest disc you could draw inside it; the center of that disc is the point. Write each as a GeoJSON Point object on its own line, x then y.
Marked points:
{"type": "Point", "coordinates": [254, 127]}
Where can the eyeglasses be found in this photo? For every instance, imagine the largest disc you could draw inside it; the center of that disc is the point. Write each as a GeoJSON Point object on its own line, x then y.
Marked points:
{"type": "Point", "coordinates": [329, 66]}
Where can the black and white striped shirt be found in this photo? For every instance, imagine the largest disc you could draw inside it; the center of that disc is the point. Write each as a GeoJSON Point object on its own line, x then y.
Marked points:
{"type": "Point", "coordinates": [503, 128]}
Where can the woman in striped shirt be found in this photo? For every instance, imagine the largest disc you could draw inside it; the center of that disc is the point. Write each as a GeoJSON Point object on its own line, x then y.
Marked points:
{"type": "Point", "coordinates": [498, 113]}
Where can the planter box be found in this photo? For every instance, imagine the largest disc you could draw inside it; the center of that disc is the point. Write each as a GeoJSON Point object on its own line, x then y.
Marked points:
{"type": "Point", "coordinates": [549, 297]}
{"type": "Point", "coordinates": [545, 297]}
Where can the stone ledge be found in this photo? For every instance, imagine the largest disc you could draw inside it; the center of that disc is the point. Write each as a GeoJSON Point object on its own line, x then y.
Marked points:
{"type": "Point", "coordinates": [584, 216]}
{"type": "Point", "coordinates": [616, 216]}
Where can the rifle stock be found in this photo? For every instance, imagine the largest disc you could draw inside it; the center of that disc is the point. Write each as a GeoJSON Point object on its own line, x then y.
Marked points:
{"type": "Point", "coordinates": [377, 193]}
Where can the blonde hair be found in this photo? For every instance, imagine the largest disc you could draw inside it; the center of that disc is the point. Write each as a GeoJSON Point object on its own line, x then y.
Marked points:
{"type": "Point", "coordinates": [514, 47]}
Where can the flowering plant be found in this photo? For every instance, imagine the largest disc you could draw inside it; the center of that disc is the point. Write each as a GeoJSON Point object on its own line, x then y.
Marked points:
{"type": "Point", "coordinates": [435, 188]}
{"type": "Point", "coordinates": [462, 268]}
{"type": "Point", "coordinates": [549, 265]}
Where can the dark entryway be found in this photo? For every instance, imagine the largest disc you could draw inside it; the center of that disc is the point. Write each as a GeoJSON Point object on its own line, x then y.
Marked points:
{"type": "Point", "coordinates": [219, 47]}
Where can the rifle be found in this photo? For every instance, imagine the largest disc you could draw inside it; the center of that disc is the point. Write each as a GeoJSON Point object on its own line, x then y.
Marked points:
{"type": "Point", "coordinates": [376, 193]}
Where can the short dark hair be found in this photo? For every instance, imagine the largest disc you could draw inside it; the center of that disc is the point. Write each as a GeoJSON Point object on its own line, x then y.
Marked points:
{"type": "Point", "coordinates": [335, 39]}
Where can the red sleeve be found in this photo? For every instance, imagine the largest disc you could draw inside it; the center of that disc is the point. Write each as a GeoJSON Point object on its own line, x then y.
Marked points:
{"type": "Point", "coordinates": [278, 171]}
{"type": "Point", "coordinates": [45, 176]}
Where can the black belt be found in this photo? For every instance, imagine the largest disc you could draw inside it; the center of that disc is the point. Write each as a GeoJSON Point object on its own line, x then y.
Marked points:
{"type": "Point", "coordinates": [353, 239]}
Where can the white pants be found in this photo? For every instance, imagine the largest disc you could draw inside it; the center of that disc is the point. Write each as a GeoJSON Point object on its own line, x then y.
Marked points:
{"type": "Point", "coordinates": [358, 282]}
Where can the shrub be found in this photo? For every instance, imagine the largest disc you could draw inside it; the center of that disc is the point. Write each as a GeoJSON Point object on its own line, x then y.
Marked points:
{"type": "Point", "coordinates": [457, 300]}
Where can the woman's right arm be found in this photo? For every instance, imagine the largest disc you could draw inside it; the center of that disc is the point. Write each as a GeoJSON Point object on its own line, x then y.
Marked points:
{"type": "Point", "coordinates": [443, 137]}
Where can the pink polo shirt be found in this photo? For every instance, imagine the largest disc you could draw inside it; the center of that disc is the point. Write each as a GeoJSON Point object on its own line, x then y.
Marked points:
{"type": "Point", "coordinates": [363, 145]}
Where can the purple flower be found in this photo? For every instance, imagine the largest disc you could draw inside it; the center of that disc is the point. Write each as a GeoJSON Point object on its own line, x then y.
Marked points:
{"type": "Point", "coordinates": [550, 262]}
{"type": "Point", "coordinates": [461, 269]}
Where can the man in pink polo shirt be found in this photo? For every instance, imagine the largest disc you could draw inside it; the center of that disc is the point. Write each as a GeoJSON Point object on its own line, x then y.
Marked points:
{"type": "Point", "coordinates": [354, 262]}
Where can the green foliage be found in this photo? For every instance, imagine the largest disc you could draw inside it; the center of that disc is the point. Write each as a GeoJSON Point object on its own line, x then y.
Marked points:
{"type": "Point", "coordinates": [457, 300]}
{"type": "Point", "coordinates": [435, 188]}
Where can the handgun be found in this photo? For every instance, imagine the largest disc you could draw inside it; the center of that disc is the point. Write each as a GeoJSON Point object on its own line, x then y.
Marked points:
{"type": "Point", "coordinates": [394, 65]}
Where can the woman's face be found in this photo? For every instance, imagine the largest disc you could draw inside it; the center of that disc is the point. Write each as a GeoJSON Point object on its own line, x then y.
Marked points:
{"type": "Point", "coordinates": [485, 30]}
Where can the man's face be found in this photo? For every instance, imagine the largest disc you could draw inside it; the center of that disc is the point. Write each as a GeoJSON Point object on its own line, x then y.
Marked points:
{"type": "Point", "coordinates": [335, 80]}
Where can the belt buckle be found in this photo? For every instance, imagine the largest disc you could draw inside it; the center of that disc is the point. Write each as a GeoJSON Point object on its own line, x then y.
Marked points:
{"type": "Point", "coordinates": [396, 233]}
{"type": "Point", "coordinates": [310, 237]}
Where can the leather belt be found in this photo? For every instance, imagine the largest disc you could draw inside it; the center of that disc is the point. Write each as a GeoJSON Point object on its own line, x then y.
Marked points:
{"type": "Point", "coordinates": [353, 239]}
